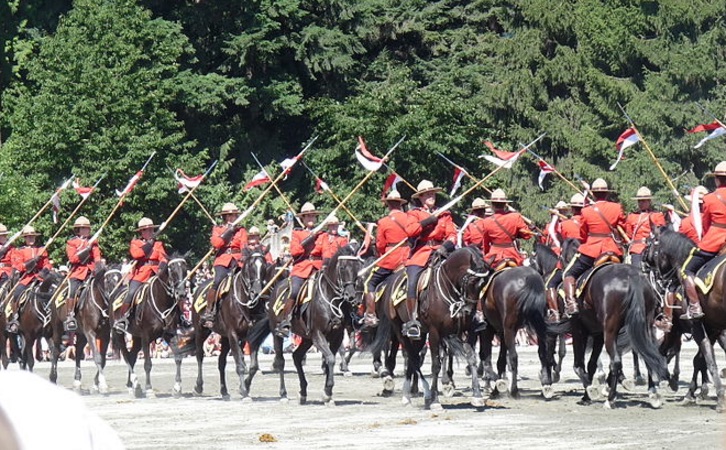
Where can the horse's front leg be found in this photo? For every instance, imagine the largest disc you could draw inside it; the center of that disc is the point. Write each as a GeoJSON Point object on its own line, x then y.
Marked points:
{"type": "Point", "coordinates": [239, 362]}
{"type": "Point", "coordinates": [222, 367]}
{"type": "Point", "coordinates": [322, 344]}
{"type": "Point", "coordinates": [432, 402]}
{"type": "Point", "coordinates": [279, 365]}
{"type": "Point", "coordinates": [298, 357]}
{"type": "Point", "coordinates": [99, 359]}
{"type": "Point", "coordinates": [146, 345]}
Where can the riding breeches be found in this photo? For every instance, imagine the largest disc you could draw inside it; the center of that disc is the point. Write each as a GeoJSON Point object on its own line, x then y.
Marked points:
{"type": "Point", "coordinates": [220, 273]}
{"type": "Point", "coordinates": [554, 279]}
{"type": "Point", "coordinates": [74, 285]}
{"type": "Point", "coordinates": [19, 289]}
{"type": "Point", "coordinates": [696, 259]}
{"type": "Point", "coordinates": [377, 276]}
{"type": "Point", "coordinates": [296, 283]}
{"type": "Point", "coordinates": [413, 273]}
{"type": "Point", "coordinates": [579, 265]}
{"type": "Point", "coordinates": [134, 286]}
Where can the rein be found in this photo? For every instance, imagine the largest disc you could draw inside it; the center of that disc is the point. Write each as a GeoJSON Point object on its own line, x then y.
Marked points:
{"type": "Point", "coordinates": [339, 291]}
{"type": "Point", "coordinates": [163, 315]}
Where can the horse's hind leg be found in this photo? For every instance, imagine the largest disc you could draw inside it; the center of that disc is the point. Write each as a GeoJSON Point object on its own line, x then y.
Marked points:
{"type": "Point", "coordinates": [80, 344]}
{"type": "Point", "coordinates": [704, 343]}
{"type": "Point", "coordinates": [432, 402]}
{"type": "Point", "coordinates": [240, 368]}
{"type": "Point", "coordinates": [279, 365]}
{"type": "Point", "coordinates": [616, 367]}
{"type": "Point", "coordinates": [322, 343]}
{"type": "Point", "coordinates": [298, 356]}
{"type": "Point", "coordinates": [510, 344]}
{"type": "Point", "coordinates": [222, 367]}
{"type": "Point", "coordinates": [254, 368]}
{"type": "Point", "coordinates": [471, 360]}
{"type": "Point", "coordinates": [199, 340]}
{"type": "Point", "coordinates": [637, 375]}
{"type": "Point", "coordinates": [485, 356]}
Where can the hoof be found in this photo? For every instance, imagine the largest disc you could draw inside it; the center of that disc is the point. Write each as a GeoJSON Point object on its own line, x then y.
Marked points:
{"type": "Point", "coordinates": [284, 400]}
{"type": "Point", "coordinates": [639, 380]}
{"type": "Point", "coordinates": [247, 400]}
{"type": "Point", "coordinates": [347, 373]}
{"type": "Point", "coordinates": [176, 391]}
{"type": "Point", "coordinates": [138, 392]}
{"type": "Point", "coordinates": [436, 407]}
{"type": "Point", "coordinates": [150, 393]}
{"type": "Point", "coordinates": [688, 401]}
{"type": "Point", "coordinates": [103, 389]}
{"type": "Point", "coordinates": [628, 385]}
{"type": "Point", "coordinates": [593, 392]}
{"type": "Point", "coordinates": [388, 384]}
{"type": "Point", "coordinates": [448, 390]}
{"type": "Point", "coordinates": [76, 385]}
{"type": "Point", "coordinates": [705, 388]}
{"type": "Point", "coordinates": [375, 373]}
{"type": "Point", "coordinates": [502, 385]}
{"type": "Point", "coordinates": [302, 400]}
{"type": "Point", "coordinates": [226, 397]}
{"type": "Point", "coordinates": [405, 401]}
{"type": "Point", "coordinates": [664, 384]}
{"type": "Point", "coordinates": [607, 405]}
{"type": "Point", "coordinates": [477, 402]}
{"type": "Point", "coordinates": [655, 400]}
{"type": "Point", "coordinates": [604, 390]}
{"type": "Point", "coordinates": [548, 392]}
{"type": "Point", "coordinates": [198, 391]}
{"type": "Point", "coordinates": [723, 373]}
{"type": "Point", "coordinates": [673, 385]}
{"type": "Point", "coordinates": [556, 377]}
{"type": "Point", "coordinates": [329, 402]}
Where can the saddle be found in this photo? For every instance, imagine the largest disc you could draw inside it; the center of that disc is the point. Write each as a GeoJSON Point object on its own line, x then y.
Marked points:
{"type": "Point", "coordinates": [303, 297]}
{"type": "Point", "coordinates": [500, 269]}
{"type": "Point", "coordinates": [607, 258]}
{"type": "Point", "coordinates": [582, 281]}
{"type": "Point", "coordinates": [506, 263]}
{"type": "Point", "coordinates": [707, 274]}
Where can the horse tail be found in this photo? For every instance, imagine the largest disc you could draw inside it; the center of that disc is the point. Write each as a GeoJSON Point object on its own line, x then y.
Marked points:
{"type": "Point", "coordinates": [638, 328]}
{"type": "Point", "coordinates": [382, 337]}
{"type": "Point", "coordinates": [258, 333]}
{"type": "Point", "coordinates": [559, 328]}
{"type": "Point", "coordinates": [455, 346]}
{"type": "Point", "coordinates": [532, 303]}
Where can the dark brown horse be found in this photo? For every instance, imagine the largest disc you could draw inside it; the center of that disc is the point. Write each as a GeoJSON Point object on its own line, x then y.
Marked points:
{"type": "Point", "coordinates": [156, 315]}
{"type": "Point", "coordinates": [515, 298]}
{"type": "Point", "coordinates": [617, 299]}
{"type": "Point", "coordinates": [320, 322]}
{"type": "Point", "coordinates": [239, 311]}
{"type": "Point", "coordinates": [664, 256]}
{"type": "Point", "coordinates": [94, 326]}
{"type": "Point", "coordinates": [35, 315]}
{"type": "Point", "coordinates": [5, 336]}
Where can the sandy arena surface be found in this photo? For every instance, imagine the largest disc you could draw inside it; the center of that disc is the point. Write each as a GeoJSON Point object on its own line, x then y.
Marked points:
{"type": "Point", "coordinates": [362, 418]}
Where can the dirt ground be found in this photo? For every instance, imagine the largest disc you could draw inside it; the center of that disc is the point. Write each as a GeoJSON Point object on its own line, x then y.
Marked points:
{"type": "Point", "coordinates": [362, 418]}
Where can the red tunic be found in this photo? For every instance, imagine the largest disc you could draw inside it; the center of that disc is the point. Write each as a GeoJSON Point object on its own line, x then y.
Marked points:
{"type": "Point", "coordinates": [497, 245]}
{"type": "Point", "coordinates": [331, 244]}
{"type": "Point", "coordinates": [25, 254]}
{"type": "Point", "coordinates": [145, 267]}
{"type": "Point", "coordinates": [227, 253]}
{"type": "Point", "coordinates": [391, 231]}
{"type": "Point", "coordinates": [80, 271]}
{"type": "Point", "coordinates": [637, 227]}
{"type": "Point", "coordinates": [572, 229]}
{"type": "Point", "coordinates": [429, 238]}
{"type": "Point", "coordinates": [687, 229]}
{"type": "Point", "coordinates": [6, 263]}
{"type": "Point", "coordinates": [598, 234]}
{"type": "Point", "coordinates": [473, 234]}
{"type": "Point", "coordinates": [714, 220]}
{"type": "Point", "coordinates": [305, 262]}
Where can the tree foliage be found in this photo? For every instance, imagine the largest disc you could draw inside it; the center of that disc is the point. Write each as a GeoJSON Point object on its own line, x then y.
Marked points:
{"type": "Point", "coordinates": [94, 87]}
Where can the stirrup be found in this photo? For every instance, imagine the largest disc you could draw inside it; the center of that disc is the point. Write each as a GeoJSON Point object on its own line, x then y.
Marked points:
{"type": "Point", "coordinates": [412, 329]}
{"type": "Point", "coordinates": [70, 324]}
{"type": "Point", "coordinates": [122, 325]}
{"type": "Point", "coordinates": [693, 312]}
{"type": "Point", "coordinates": [479, 324]}
{"type": "Point", "coordinates": [13, 327]}
{"type": "Point", "coordinates": [283, 329]}
{"type": "Point", "coordinates": [571, 308]}
{"type": "Point", "coordinates": [663, 323]}
{"type": "Point", "coordinates": [370, 320]}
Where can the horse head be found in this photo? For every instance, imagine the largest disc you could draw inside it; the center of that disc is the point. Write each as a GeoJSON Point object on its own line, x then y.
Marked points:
{"type": "Point", "coordinates": [544, 259]}
{"type": "Point", "coordinates": [176, 276]}
{"type": "Point", "coordinates": [477, 271]}
{"type": "Point", "coordinates": [254, 271]}
{"type": "Point", "coordinates": [343, 270]}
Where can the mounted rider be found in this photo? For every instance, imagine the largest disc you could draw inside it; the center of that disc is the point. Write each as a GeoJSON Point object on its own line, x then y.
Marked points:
{"type": "Point", "coordinates": [687, 227]}
{"type": "Point", "coordinates": [431, 234]}
{"type": "Point", "coordinates": [391, 230]}
{"type": "Point", "coordinates": [228, 239]}
{"type": "Point", "coordinates": [552, 234]}
{"type": "Point", "coordinates": [501, 231]}
{"type": "Point", "coordinates": [84, 258]}
{"type": "Point", "coordinates": [332, 241]}
{"type": "Point", "coordinates": [639, 226]}
{"type": "Point", "coordinates": [572, 228]}
{"type": "Point", "coordinates": [306, 249]}
{"type": "Point", "coordinates": [149, 258]}
{"type": "Point", "coordinates": [30, 260]}
{"type": "Point", "coordinates": [472, 233]}
{"type": "Point", "coordinates": [714, 236]}
{"type": "Point", "coordinates": [254, 244]}
{"type": "Point", "coordinates": [6, 256]}
{"type": "Point", "coordinates": [600, 223]}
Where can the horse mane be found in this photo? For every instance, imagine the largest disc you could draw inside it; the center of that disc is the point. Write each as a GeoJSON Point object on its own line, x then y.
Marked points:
{"type": "Point", "coordinates": [478, 262]}
{"type": "Point", "coordinates": [676, 244]}
{"type": "Point", "coordinates": [570, 246]}
{"type": "Point", "coordinates": [178, 255]}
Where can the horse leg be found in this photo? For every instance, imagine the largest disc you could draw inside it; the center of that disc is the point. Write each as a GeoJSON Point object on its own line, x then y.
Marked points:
{"type": "Point", "coordinates": [510, 343]}
{"type": "Point", "coordinates": [298, 356]}
{"type": "Point", "coordinates": [279, 365]}
{"type": "Point", "coordinates": [390, 365]}
{"type": "Point", "coordinates": [477, 400]}
{"type": "Point", "coordinates": [616, 367]}
{"type": "Point", "coordinates": [80, 344]}
{"type": "Point", "coordinates": [222, 367]}
{"type": "Point", "coordinates": [704, 343]}
{"type": "Point", "coordinates": [546, 363]}
{"type": "Point", "coordinates": [254, 368]}
{"type": "Point", "coordinates": [485, 356]}
{"type": "Point", "coordinates": [561, 353]}
{"type": "Point", "coordinates": [639, 380]}
{"type": "Point", "coordinates": [322, 344]}
{"type": "Point", "coordinates": [432, 402]}
{"type": "Point", "coordinates": [239, 362]}
{"type": "Point", "coordinates": [176, 390]}
{"type": "Point", "coordinates": [199, 340]}
{"type": "Point", "coordinates": [593, 365]}
{"type": "Point", "coordinates": [98, 360]}
{"type": "Point", "coordinates": [54, 355]}
{"type": "Point", "coordinates": [146, 345]}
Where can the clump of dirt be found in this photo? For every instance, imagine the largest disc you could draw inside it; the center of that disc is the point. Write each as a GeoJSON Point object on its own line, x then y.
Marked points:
{"type": "Point", "coordinates": [408, 421]}
{"type": "Point", "coordinates": [267, 437]}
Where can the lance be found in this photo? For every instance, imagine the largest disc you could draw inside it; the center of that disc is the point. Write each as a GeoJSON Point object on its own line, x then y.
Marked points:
{"type": "Point", "coordinates": [449, 205]}
{"type": "Point", "coordinates": [279, 192]}
{"type": "Point", "coordinates": [655, 160]}
{"type": "Point", "coordinates": [186, 197]}
{"type": "Point", "coordinates": [58, 191]}
{"type": "Point", "coordinates": [254, 204]}
{"type": "Point", "coordinates": [196, 199]}
{"type": "Point", "coordinates": [118, 204]}
{"type": "Point", "coordinates": [318, 228]}
{"type": "Point", "coordinates": [327, 189]}
{"type": "Point", "coordinates": [73, 213]}
{"type": "Point", "coordinates": [269, 284]}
